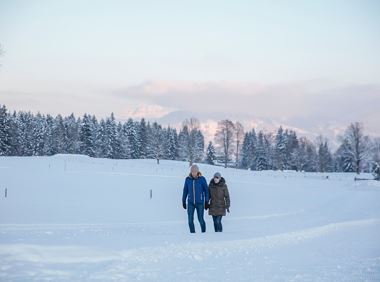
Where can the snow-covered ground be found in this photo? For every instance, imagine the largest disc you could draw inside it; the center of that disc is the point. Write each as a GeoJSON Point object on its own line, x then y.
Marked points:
{"type": "Point", "coordinates": [75, 218]}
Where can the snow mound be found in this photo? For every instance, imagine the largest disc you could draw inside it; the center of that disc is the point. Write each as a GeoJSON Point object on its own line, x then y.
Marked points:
{"type": "Point", "coordinates": [70, 156]}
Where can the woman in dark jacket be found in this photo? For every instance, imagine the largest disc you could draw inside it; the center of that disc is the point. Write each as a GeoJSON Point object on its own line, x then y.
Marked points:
{"type": "Point", "coordinates": [220, 200]}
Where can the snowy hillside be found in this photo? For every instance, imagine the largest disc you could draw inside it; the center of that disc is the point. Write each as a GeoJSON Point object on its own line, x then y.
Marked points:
{"type": "Point", "coordinates": [75, 218]}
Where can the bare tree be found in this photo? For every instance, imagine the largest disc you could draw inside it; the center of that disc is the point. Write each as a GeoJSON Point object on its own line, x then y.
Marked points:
{"type": "Point", "coordinates": [192, 124]}
{"type": "Point", "coordinates": [239, 136]}
{"type": "Point", "coordinates": [224, 138]}
{"type": "Point", "coordinates": [357, 144]}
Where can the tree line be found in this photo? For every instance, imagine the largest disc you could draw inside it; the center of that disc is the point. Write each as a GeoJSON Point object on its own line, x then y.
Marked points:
{"type": "Point", "coordinates": [284, 150]}
{"type": "Point", "coordinates": [27, 134]}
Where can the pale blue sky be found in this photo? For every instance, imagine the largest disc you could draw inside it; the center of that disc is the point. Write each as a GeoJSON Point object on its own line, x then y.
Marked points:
{"type": "Point", "coordinates": [81, 56]}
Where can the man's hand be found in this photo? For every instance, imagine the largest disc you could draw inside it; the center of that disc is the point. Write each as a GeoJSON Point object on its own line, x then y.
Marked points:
{"type": "Point", "coordinates": [184, 205]}
{"type": "Point", "coordinates": [207, 205]}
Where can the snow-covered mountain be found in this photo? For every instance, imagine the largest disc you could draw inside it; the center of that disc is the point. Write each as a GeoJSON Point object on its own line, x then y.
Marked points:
{"type": "Point", "coordinates": [310, 107]}
{"type": "Point", "coordinates": [209, 121]}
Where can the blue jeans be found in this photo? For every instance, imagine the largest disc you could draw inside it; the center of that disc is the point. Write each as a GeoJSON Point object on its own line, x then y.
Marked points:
{"type": "Point", "coordinates": [190, 213]}
{"type": "Point", "coordinates": [217, 223]}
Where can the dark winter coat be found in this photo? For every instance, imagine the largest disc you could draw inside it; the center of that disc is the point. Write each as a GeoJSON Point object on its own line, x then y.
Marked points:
{"type": "Point", "coordinates": [220, 198]}
{"type": "Point", "coordinates": [195, 190]}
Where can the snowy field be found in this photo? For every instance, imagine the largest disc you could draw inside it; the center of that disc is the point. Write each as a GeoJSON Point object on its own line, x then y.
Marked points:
{"type": "Point", "coordinates": [74, 218]}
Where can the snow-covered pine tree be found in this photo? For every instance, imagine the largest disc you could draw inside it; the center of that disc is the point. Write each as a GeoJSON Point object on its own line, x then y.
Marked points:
{"type": "Point", "coordinates": [123, 140]}
{"type": "Point", "coordinates": [183, 144]}
{"type": "Point", "coordinates": [248, 152]}
{"type": "Point", "coordinates": [14, 135]}
{"type": "Point", "coordinates": [191, 142]}
{"type": "Point", "coordinates": [25, 125]}
{"type": "Point", "coordinates": [280, 150]}
{"type": "Point", "coordinates": [149, 151]}
{"type": "Point", "coordinates": [18, 138]}
{"type": "Point", "coordinates": [210, 154]}
{"type": "Point", "coordinates": [87, 136]}
{"type": "Point", "coordinates": [269, 151]}
{"type": "Point", "coordinates": [139, 145]}
{"type": "Point", "coordinates": [311, 157]}
{"type": "Point", "coordinates": [114, 142]}
{"type": "Point", "coordinates": [38, 135]}
{"type": "Point", "coordinates": [120, 139]}
{"type": "Point", "coordinates": [197, 138]}
{"type": "Point", "coordinates": [108, 144]}
{"type": "Point", "coordinates": [301, 159]}
{"type": "Point", "coordinates": [291, 150]}
{"type": "Point", "coordinates": [157, 141]}
{"type": "Point", "coordinates": [59, 134]}
{"type": "Point", "coordinates": [325, 159]}
{"type": "Point", "coordinates": [170, 143]}
{"type": "Point", "coordinates": [253, 150]}
{"type": "Point", "coordinates": [196, 141]}
{"type": "Point", "coordinates": [102, 141]}
{"type": "Point", "coordinates": [95, 126]}
{"type": "Point", "coordinates": [49, 136]}
{"type": "Point", "coordinates": [5, 132]}
{"type": "Point", "coordinates": [125, 143]}
{"type": "Point", "coordinates": [71, 126]}
{"type": "Point", "coordinates": [261, 158]}
{"type": "Point", "coordinates": [245, 152]}
{"type": "Point", "coordinates": [133, 141]}
{"type": "Point", "coordinates": [143, 138]}
{"type": "Point", "coordinates": [307, 159]}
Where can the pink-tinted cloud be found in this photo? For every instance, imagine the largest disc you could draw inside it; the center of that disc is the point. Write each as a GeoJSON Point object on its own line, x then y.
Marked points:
{"type": "Point", "coordinates": [280, 101]}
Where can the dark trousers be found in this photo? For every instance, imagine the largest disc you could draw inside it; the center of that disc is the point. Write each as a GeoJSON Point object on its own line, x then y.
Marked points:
{"type": "Point", "coordinates": [190, 213]}
{"type": "Point", "coordinates": [217, 223]}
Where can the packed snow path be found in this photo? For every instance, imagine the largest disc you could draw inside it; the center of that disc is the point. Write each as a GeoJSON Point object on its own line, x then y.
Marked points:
{"type": "Point", "coordinates": [74, 218]}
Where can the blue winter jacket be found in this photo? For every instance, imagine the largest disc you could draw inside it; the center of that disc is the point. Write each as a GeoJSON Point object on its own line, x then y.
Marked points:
{"type": "Point", "coordinates": [197, 186]}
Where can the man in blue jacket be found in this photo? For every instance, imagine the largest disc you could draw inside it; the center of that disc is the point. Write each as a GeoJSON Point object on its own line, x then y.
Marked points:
{"type": "Point", "coordinates": [196, 192]}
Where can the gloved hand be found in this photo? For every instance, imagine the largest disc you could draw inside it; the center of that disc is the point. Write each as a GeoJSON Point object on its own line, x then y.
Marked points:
{"type": "Point", "coordinates": [228, 210]}
{"type": "Point", "coordinates": [184, 205]}
{"type": "Point", "coordinates": [207, 205]}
